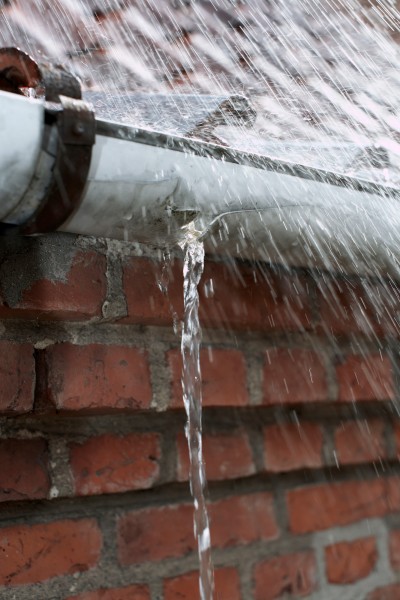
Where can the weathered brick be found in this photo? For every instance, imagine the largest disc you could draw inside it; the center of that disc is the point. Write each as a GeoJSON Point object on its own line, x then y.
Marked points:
{"type": "Point", "coordinates": [97, 377]}
{"type": "Point", "coordinates": [31, 554]}
{"type": "Point", "coordinates": [352, 306]}
{"type": "Point", "coordinates": [388, 592]}
{"type": "Point", "coordinates": [322, 506]}
{"type": "Point", "coordinates": [235, 521]}
{"type": "Point", "coordinates": [223, 377]}
{"type": "Point", "coordinates": [347, 562]}
{"type": "Point", "coordinates": [243, 519]}
{"type": "Point", "coordinates": [109, 464]}
{"type": "Point", "coordinates": [293, 376]}
{"type": "Point", "coordinates": [394, 549]}
{"type": "Point", "coordinates": [145, 301]}
{"type": "Point", "coordinates": [396, 429]}
{"type": "Point", "coordinates": [226, 456]}
{"type": "Point", "coordinates": [255, 299]}
{"type": "Point", "coordinates": [186, 587]}
{"type": "Point", "coordinates": [393, 493]}
{"type": "Point", "coordinates": [365, 378]}
{"type": "Point", "coordinates": [290, 446]}
{"type": "Point", "coordinates": [242, 297]}
{"type": "Point", "coordinates": [292, 575]}
{"type": "Point", "coordinates": [360, 441]}
{"type": "Point", "coordinates": [74, 294]}
{"type": "Point", "coordinates": [24, 469]}
{"type": "Point", "coordinates": [140, 532]}
{"type": "Point", "coordinates": [132, 592]}
{"type": "Point", "coordinates": [17, 378]}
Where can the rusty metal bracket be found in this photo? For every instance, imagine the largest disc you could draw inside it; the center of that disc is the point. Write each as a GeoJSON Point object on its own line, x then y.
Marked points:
{"type": "Point", "coordinates": [76, 136]}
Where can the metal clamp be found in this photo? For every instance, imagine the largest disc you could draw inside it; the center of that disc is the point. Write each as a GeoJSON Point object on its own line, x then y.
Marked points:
{"type": "Point", "coordinates": [76, 136]}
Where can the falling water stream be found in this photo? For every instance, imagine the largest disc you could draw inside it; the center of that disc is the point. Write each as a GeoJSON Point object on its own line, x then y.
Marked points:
{"type": "Point", "coordinates": [192, 398]}
{"type": "Point", "coordinates": [190, 241]}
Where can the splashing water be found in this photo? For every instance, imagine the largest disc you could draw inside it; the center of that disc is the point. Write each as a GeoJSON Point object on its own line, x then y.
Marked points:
{"type": "Point", "coordinates": [163, 280]}
{"type": "Point", "coordinates": [192, 398]}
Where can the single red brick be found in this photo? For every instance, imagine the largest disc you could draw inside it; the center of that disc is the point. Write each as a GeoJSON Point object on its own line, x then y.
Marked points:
{"type": "Point", "coordinates": [78, 295]}
{"type": "Point", "coordinates": [132, 592]}
{"type": "Point", "coordinates": [365, 378]}
{"type": "Point", "coordinates": [109, 464]}
{"type": "Point", "coordinates": [226, 456]}
{"type": "Point", "coordinates": [292, 575]}
{"type": "Point", "coordinates": [247, 298]}
{"type": "Point", "coordinates": [17, 378]}
{"type": "Point", "coordinates": [243, 519]}
{"type": "Point", "coordinates": [290, 446]}
{"type": "Point", "coordinates": [322, 506]}
{"type": "Point", "coordinates": [140, 532]}
{"type": "Point", "coordinates": [24, 469]}
{"type": "Point", "coordinates": [294, 375]}
{"type": "Point", "coordinates": [388, 592]}
{"type": "Point", "coordinates": [396, 428]}
{"type": "Point", "coordinates": [394, 548]}
{"type": "Point", "coordinates": [186, 587]}
{"type": "Point", "coordinates": [350, 306]}
{"type": "Point", "coordinates": [145, 301]}
{"type": "Point", "coordinates": [223, 374]}
{"type": "Point", "coordinates": [360, 441]}
{"type": "Point", "coordinates": [235, 520]}
{"type": "Point", "coordinates": [30, 554]}
{"type": "Point", "coordinates": [347, 562]}
{"type": "Point", "coordinates": [97, 377]}
{"type": "Point", "coordinates": [393, 493]}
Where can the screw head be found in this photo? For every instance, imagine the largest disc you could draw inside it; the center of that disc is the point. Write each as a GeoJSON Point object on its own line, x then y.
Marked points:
{"type": "Point", "coordinates": [78, 129]}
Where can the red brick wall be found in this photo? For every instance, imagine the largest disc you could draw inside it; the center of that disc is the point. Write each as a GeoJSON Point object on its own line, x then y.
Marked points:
{"type": "Point", "coordinates": [301, 429]}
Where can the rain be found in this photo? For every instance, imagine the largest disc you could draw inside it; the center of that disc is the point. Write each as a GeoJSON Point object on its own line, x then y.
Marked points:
{"type": "Point", "coordinates": [261, 133]}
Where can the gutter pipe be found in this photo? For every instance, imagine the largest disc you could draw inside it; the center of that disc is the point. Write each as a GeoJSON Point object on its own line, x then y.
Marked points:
{"type": "Point", "coordinates": [63, 169]}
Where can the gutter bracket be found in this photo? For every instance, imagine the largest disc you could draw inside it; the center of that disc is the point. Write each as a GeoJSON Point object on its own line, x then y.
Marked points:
{"type": "Point", "coordinates": [76, 136]}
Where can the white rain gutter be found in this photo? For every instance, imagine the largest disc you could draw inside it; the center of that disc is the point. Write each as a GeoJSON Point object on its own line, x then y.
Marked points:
{"type": "Point", "coordinates": [144, 186]}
